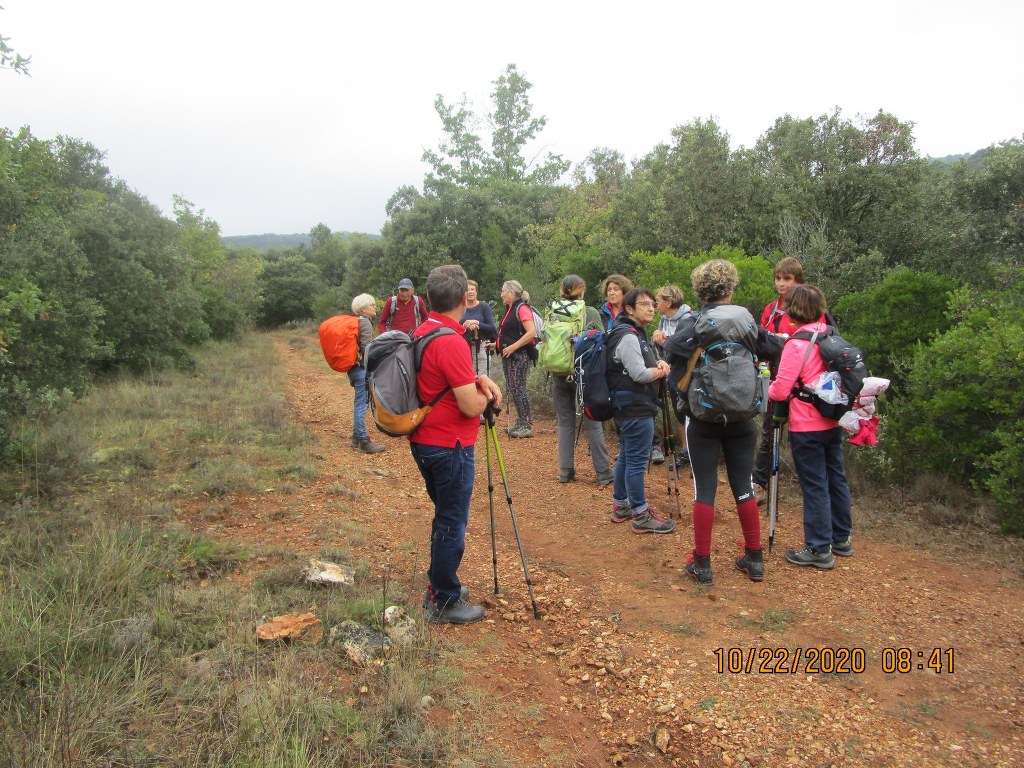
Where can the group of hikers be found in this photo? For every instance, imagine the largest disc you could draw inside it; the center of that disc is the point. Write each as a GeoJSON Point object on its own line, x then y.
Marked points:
{"type": "Point", "coordinates": [643, 374]}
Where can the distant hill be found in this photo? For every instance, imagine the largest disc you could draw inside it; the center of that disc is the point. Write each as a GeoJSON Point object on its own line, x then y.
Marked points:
{"type": "Point", "coordinates": [269, 241]}
{"type": "Point", "coordinates": [974, 160]}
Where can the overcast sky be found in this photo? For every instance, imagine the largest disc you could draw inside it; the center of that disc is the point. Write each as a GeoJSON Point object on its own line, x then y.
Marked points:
{"type": "Point", "coordinates": [274, 117]}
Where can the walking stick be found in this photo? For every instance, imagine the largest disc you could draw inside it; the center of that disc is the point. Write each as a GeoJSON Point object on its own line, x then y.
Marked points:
{"type": "Point", "coordinates": [476, 350]}
{"type": "Point", "coordinates": [667, 440]}
{"type": "Point", "coordinates": [492, 438]}
{"type": "Point", "coordinates": [780, 415]}
{"type": "Point", "coordinates": [490, 503]}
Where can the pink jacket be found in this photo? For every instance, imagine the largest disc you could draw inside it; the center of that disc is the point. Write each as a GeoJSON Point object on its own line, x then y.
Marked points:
{"type": "Point", "coordinates": [803, 417]}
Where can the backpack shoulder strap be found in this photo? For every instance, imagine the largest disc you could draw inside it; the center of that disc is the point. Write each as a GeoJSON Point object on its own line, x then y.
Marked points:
{"type": "Point", "coordinates": [389, 307]}
{"type": "Point", "coordinates": [420, 345]}
{"type": "Point", "coordinates": [684, 382]}
{"type": "Point", "coordinates": [814, 338]}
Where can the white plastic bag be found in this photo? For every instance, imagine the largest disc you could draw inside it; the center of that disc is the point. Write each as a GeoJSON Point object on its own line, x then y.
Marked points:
{"type": "Point", "coordinates": [826, 386]}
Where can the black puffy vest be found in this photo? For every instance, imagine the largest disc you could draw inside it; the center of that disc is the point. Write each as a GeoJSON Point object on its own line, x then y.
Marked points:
{"type": "Point", "coordinates": [630, 399]}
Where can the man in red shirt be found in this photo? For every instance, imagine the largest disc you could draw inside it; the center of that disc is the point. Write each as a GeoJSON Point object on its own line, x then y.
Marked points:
{"type": "Point", "coordinates": [403, 311]}
{"type": "Point", "coordinates": [443, 444]}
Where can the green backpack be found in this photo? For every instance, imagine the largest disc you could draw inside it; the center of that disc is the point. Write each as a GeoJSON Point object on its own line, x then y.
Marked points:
{"type": "Point", "coordinates": [563, 323]}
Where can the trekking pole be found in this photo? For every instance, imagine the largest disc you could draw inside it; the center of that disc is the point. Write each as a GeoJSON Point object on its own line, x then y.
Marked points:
{"type": "Point", "coordinates": [476, 350]}
{"type": "Point", "coordinates": [490, 504]}
{"type": "Point", "coordinates": [780, 415]}
{"type": "Point", "coordinates": [577, 385]}
{"type": "Point", "coordinates": [492, 437]}
{"type": "Point", "coordinates": [667, 440]}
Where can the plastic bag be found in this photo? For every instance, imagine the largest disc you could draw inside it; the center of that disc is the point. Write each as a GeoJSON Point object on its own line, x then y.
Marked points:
{"type": "Point", "coordinates": [827, 387]}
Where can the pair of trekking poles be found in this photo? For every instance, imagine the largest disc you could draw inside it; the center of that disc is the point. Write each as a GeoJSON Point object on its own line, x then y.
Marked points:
{"type": "Point", "coordinates": [491, 442]}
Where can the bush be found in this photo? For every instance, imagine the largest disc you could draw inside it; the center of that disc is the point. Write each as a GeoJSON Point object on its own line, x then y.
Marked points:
{"type": "Point", "coordinates": [963, 412]}
{"type": "Point", "coordinates": [888, 319]}
{"type": "Point", "coordinates": [756, 289]}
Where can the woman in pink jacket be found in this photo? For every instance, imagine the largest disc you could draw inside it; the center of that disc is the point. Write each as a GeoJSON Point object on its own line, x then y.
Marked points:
{"type": "Point", "coordinates": [816, 442]}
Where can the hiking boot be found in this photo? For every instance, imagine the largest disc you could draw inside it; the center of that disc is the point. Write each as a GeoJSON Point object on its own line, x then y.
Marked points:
{"type": "Point", "coordinates": [567, 476]}
{"type": "Point", "coordinates": [752, 564]}
{"type": "Point", "coordinates": [657, 455]}
{"type": "Point", "coordinates": [700, 569]}
{"type": "Point", "coordinates": [521, 429]}
{"type": "Point", "coordinates": [605, 478]}
{"type": "Point", "coordinates": [843, 548]}
{"type": "Point", "coordinates": [463, 595]}
{"type": "Point", "coordinates": [683, 459]}
{"type": "Point", "coordinates": [648, 522]}
{"type": "Point", "coordinates": [459, 612]}
{"type": "Point", "coordinates": [366, 445]}
{"type": "Point", "coordinates": [811, 557]}
{"type": "Point", "coordinates": [620, 514]}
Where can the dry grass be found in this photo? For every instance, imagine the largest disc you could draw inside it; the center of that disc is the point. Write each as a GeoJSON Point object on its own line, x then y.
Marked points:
{"type": "Point", "coordinates": [120, 642]}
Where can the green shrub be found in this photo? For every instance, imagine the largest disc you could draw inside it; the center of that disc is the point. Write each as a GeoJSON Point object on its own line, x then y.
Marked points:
{"type": "Point", "coordinates": [888, 319]}
{"type": "Point", "coordinates": [963, 412]}
{"type": "Point", "coordinates": [756, 289]}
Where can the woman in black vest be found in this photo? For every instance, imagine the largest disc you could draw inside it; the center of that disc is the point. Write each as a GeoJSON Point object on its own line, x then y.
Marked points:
{"type": "Point", "coordinates": [632, 374]}
{"type": "Point", "coordinates": [517, 335]}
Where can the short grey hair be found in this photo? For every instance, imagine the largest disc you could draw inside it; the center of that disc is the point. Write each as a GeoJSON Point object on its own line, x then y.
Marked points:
{"type": "Point", "coordinates": [361, 301]}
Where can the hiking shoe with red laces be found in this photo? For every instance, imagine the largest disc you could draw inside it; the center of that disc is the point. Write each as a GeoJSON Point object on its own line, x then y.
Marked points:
{"type": "Point", "coordinates": [648, 522]}
{"type": "Point", "coordinates": [457, 612]}
{"type": "Point", "coordinates": [700, 569]}
{"type": "Point", "coordinates": [620, 514]}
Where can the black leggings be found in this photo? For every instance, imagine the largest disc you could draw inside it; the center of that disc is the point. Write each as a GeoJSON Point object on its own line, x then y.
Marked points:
{"type": "Point", "coordinates": [706, 442]}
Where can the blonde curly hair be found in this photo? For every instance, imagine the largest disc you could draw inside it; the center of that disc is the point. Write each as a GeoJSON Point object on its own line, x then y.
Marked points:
{"type": "Point", "coordinates": [714, 280]}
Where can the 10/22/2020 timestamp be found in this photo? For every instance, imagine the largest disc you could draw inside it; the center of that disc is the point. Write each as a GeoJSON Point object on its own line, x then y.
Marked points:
{"type": "Point", "coordinates": [827, 660]}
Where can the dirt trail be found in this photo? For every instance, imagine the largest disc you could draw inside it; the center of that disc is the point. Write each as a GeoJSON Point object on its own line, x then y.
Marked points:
{"type": "Point", "coordinates": [626, 653]}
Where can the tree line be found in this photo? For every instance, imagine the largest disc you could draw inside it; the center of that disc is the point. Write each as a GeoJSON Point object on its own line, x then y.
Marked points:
{"type": "Point", "coordinates": [921, 260]}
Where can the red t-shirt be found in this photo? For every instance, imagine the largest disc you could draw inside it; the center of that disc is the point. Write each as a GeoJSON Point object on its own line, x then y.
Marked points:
{"type": "Point", "coordinates": [446, 362]}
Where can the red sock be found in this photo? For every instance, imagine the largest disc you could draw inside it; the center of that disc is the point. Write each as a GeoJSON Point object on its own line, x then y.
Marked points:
{"type": "Point", "coordinates": [750, 522]}
{"type": "Point", "coordinates": [703, 521]}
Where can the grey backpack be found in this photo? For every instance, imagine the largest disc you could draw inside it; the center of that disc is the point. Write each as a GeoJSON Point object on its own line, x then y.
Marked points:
{"type": "Point", "coordinates": [725, 385]}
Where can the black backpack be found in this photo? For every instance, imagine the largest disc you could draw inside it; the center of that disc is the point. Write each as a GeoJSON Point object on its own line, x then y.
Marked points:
{"type": "Point", "coordinates": [725, 386]}
{"type": "Point", "coordinates": [841, 357]}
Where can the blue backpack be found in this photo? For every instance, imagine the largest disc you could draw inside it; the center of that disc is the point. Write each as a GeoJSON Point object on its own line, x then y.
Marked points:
{"type": "Point", "coordinates": [591, 385]}
{"type": "Point", "coordinates": [591, 353]}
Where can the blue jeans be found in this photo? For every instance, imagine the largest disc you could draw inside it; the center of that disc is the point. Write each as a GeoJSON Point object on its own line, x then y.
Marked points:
{"type": "Point", "coordinates": [357, 377]}
{"type": "Point", "coordinates": [448, 474]}
{"type": "Point", "coordinates": [818, 458]}
{"type": "Point", "coordinates": [635, 436]}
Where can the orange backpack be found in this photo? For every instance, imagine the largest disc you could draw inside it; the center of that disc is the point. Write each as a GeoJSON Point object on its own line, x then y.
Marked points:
{"type": "Point", "coordinates": [339, 340]}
